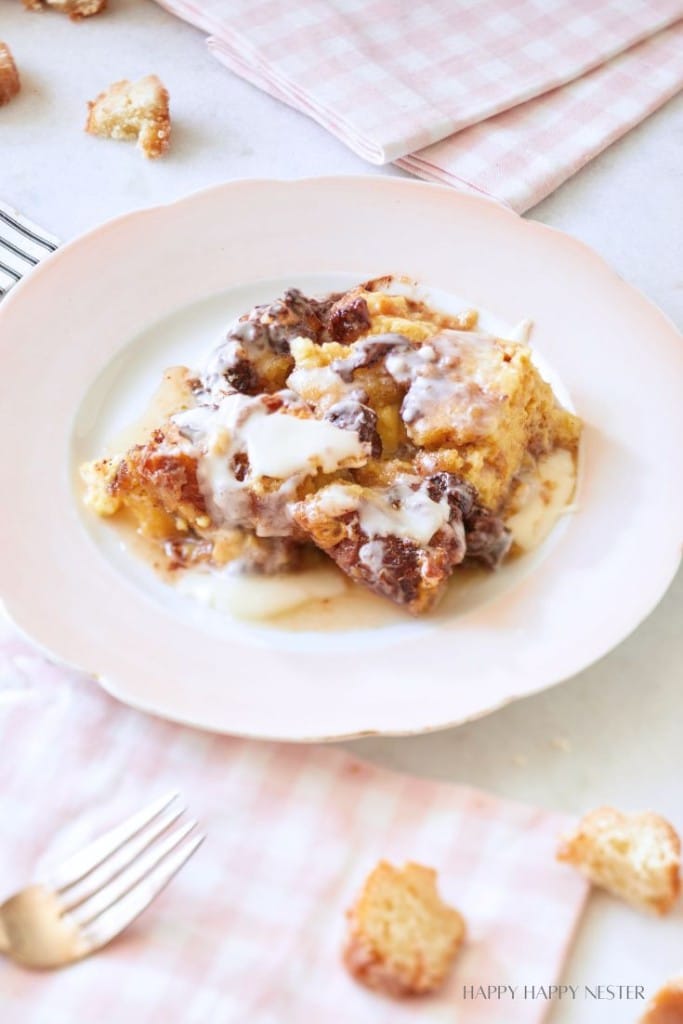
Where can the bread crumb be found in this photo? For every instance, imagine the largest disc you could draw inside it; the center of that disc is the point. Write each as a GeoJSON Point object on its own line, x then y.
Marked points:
{"type": "Point", "coordinates": [9, 76]}
{"type": "Point", "coordinates": [133, 110]}
{"type": "Point", "coordinates": [402, 939]}
{"type": "Point", "coordinates": [98, 478]}
{"type": "Point", "coordinates": [634, 856]}
{"type": "Point", "coordinates": [666, 1006]}
{"type": "Point", "coordinates": [561, 743]}
{"type": "Point", "coordinates": [76, 9]}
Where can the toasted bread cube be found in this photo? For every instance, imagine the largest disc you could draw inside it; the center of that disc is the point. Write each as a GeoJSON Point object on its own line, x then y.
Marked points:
{"type": "Point", "coordinates": [133, 110]}
{"type": "Point", "coordinates": [76, 9]}
{"type": "Point", "coordinates": [634, 856]}
{"type": "Point", "coordinates": [666, 1006]}
{"type": "Point", "coordinates": [9, 76]}
{"type": "Point", "coordinates": [402, 939]}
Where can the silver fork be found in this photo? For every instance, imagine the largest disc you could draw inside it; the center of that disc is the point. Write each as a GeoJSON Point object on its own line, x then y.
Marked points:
{"type": "Point", "coordinates": [86, 901]}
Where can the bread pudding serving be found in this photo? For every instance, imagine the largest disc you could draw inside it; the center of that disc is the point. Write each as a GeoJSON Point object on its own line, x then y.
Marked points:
{"type": "Point", "coordinates": [364, 427]}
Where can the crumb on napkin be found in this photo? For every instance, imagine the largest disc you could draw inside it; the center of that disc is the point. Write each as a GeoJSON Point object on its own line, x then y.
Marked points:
{"type": "Point", "coordinates": [634, 856]}
{"type": "Point", "coordinates": [133, 110]}
{"type": "Point", "coordinates": [402, 938]}
{"type": "Point", "coordinates": [9, 76]}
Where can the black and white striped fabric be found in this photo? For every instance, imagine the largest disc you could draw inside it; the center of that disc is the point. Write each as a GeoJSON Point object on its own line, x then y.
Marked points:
{"type": "Point", "coordinates": [22, 245]}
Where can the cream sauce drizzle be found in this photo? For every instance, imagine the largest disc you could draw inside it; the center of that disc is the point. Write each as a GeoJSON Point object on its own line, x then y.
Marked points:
{"type": "Point", "coordinates": [542, 498]}
{"type": "Point", "coordinates": [398, 511]}
{"type": "Point", "coordinates": [403, 512]}
{"type": "Point", "coordinates": [261, 597]}
{"type": "Point", "coordinates": [452, 378]}
{"type": "Point", "coordinates": [277, 444]}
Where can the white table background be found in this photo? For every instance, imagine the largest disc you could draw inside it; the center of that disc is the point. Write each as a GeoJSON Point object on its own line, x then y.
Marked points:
{"type": "Point", "coordinates": [613, 733]}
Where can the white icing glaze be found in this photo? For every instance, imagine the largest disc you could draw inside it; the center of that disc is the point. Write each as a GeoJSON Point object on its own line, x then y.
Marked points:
{"type": "Point", "coordinates": [398, 511]}
{"type": "Point", "coordinates": [416, 518]}
{"type": "Point", "coordinates": [227, 497]}
{"type": "Point", "coordinates": [279, 445]}
{"type": "Point", "coordinates": [276, 443]}
{"type": "Point", "coordinates": [453, 378]}
{"type": "Point", "coordinates": [470, 408]}
{"type": "Point", "coordinates": [372, 556]}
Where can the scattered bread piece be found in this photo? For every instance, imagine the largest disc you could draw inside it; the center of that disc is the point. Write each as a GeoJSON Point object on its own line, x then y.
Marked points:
{"type": "Point", "coordinates": [666, 1006]}
{"type": "Point", "coordinates": [76, 9]}
{"type": "Point", "coordinates": [9, 76]}
{"type": "Point", "coordinates": [133, 110]}
{"type": "Point", "coordinates": [402, 939]}
{"type": "Point", "coordinates": [634, 856]}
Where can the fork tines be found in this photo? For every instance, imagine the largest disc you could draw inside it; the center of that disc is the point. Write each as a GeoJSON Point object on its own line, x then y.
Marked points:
{"type": "Point", "coordinates": [106, 885]}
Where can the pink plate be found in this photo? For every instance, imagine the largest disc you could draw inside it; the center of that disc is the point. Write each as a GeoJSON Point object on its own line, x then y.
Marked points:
{"type": "Point", "coordinates": [86, 335]}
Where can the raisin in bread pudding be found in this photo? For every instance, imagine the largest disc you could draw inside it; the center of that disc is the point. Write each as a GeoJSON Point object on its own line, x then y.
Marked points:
{"type": "Point", "coordinates": [365, 427]}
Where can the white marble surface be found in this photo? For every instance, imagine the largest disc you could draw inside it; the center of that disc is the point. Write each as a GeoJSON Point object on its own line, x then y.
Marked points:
{"type": "Point", "coordinates": [613, 733]}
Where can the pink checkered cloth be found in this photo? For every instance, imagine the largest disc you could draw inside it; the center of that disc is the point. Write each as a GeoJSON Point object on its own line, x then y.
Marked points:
{"type": "Point", "coordinates": [524, 154]}
{"type": "Point", "coordinates": [392, 79]}
{"type": "Point", "coordinates": [250, 930]}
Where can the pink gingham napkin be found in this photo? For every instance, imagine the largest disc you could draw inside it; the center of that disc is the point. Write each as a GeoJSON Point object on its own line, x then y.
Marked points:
{"type": "Point", "coordinates": [523, 154]}
{"type": "Point", "coordinates": [251, 928]}
{"type": "Point", "coordinates": [422, 84]}
{"type": "Point", "coordinates": [392, 76]}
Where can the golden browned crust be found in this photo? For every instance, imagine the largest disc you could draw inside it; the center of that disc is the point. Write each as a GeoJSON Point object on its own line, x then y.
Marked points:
{"type": "Point", "coordinates": [156, 485]}
{"type": "Point", "coordinates": [133, 110]}
{"type": "Point", "coordinates": [666, 1006]}
{"type": "Point", "coordinates": [76, 9]}
{"type": "Point", "coordinates": [9, 76]}
{"type": "Point", "coordinates": [634, 856]}
{"type": "Point", "coordinates": [402, 939]}
{"type": "Point", "coordinates": [168, 476]}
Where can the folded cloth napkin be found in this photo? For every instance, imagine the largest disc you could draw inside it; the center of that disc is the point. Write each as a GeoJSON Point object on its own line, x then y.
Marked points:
{"type": "Point", "coordinates": [523, 154]}
{"type": "Point", "coordinates": [251, 928]}
{"type": "Point", "coordinates": [392, 76]}
{"type": "Point", "coordinates": [520, 156]}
